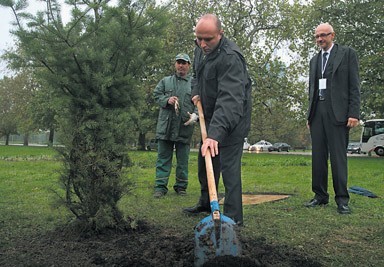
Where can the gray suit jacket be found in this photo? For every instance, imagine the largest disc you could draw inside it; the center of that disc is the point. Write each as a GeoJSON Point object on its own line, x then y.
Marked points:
{"type": "Point", "coordinates": [344, 93]}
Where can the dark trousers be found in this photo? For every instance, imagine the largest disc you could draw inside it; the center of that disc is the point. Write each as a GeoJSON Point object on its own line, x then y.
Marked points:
{"type": "Point", "coordinates": [228, 163]}
{"type": "Point", "coordinates": [164, 165]}
{"type": "Point", "coordinates": [329, 139]}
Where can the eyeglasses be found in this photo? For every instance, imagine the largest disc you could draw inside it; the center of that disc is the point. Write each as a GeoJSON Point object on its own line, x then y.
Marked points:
{"type": "Point", "coordinates": [322, 35]}
{"type": "Point", "coordinates": [181, 62]}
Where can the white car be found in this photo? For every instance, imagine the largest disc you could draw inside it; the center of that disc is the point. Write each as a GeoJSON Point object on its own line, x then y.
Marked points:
{"type": "Point", "coordinates": [260, 146]}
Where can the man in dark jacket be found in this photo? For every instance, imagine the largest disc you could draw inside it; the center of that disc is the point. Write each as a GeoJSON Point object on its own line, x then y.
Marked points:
{"type": "Point", "coordinates": [334, 107]}
{"type": "Point", "coordinates": [221, 82]}
{"type": "Point", "coordinates": [174, 126]}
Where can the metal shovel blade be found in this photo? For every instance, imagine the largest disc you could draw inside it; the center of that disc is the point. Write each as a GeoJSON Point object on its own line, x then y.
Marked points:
{"type": "Point", "coordinates": [215, 238]}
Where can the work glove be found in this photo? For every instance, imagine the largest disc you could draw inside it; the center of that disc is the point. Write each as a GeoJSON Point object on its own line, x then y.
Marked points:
{"type": "Point", "coordinates": [192, 119]}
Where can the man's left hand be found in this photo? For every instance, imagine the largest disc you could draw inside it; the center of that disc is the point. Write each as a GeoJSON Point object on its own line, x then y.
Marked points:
{"type": "Point", "coordinates": [352, 122]}
{"type": "Point", "coordinates": [192, 119]}
{"type": "Point", "coordinates": [213, 146]}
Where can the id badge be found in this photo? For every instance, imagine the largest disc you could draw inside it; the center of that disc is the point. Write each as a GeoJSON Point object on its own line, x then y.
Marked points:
{"type": "Point", "coordinates": [322, 84]}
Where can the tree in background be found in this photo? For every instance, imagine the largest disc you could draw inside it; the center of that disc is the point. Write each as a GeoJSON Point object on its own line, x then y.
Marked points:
{"type": "Point", "coordinates": [8, 123]}
{"type": "Point", "coordinates": [16, 95]}
{"type": "Point", "coordinates": [44, 108]}
{"type": "Point", "coordinates": [25, 88]}
{"type": "Point", "coordinates": [96, 63]}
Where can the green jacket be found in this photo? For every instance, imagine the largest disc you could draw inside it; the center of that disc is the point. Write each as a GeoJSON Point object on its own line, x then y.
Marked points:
{"type": "Point", "coordinates": [170, 125]}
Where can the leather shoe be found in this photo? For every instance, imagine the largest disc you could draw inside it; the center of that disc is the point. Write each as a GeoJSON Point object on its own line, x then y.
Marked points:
{"type": "Point", "coordinates": [314, 202]}
{"type": "Point", "coordinates": [343, 209]}
{"type": "Point", "coordinates": [197, 209]}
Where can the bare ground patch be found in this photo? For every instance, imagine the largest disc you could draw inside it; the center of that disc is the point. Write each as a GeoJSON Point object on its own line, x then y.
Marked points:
{"type": "Point", "coordinates": [144, 247]}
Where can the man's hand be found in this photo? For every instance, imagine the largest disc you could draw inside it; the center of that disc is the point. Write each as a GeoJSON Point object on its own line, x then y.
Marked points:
{"type": "Point", "coordinates": [213, 146]}
{"type": "Point", "coordinates": [195, 99]}
{"type": "Point", "coordinates": [192, 119]}
{"type": "Point", "coordinates": [352, 122]}
{"type": "Point", "coordinates": [172, 100]}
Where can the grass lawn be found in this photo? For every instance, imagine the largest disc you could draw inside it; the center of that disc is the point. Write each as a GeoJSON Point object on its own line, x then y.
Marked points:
{"type": "Point", "coordinates": [29, 177]}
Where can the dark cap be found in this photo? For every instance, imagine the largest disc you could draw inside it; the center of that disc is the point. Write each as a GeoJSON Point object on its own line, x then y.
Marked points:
{"type": "Point", "coordinates": [183, 56]}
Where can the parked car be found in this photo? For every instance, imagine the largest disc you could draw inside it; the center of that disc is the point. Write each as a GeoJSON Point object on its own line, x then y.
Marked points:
{"type": "Point", "coordinates": [279, 147]}
{"type": "Point", "coordinates": [246, 145]}
{"type": "Point", "coordinates": [152, 145]}
{"type": "Point", "coordinates": [354, 148]}
{"type": "Point", "coordinates": [262, 145]}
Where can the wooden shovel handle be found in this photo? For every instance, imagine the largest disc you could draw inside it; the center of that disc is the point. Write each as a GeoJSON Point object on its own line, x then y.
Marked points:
{"type": "Point", "coordinates": [208, 159]}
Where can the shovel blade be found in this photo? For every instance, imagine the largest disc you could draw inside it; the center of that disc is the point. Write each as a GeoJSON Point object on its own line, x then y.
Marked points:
{"type": "Point", "coordinates": [215, 238]}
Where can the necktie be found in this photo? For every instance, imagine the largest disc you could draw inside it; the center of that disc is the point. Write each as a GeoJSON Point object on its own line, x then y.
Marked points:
{"type": "Point", "coordinates": [322, 91]}
{"type": "Point", "coordinates": [324, 59]}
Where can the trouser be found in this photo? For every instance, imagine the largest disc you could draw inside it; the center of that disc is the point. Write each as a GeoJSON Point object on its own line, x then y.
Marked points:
{"type": "Point", "coordinates": [329, 139]}
{"type": "Point", "coordinates": [164, 165]}
{"type": "Point", "coordinates": [228, 162]}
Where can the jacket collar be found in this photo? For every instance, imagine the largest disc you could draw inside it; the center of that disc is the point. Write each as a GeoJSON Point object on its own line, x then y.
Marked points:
{"type": "Point", "coordinates": [217, 50]}
{"type": "Point", "coordinates": [186, 77]}
{"type": "Point", "coordinates": [337, 53]}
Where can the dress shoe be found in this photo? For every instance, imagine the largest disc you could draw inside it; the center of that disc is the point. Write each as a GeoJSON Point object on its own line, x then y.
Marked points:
{"type": "Point", "coordinates": [343, 209]}
{"type": "Point", "coordinates": [314, 202]}
{"type": "Point", "coordinates": [197, 209]}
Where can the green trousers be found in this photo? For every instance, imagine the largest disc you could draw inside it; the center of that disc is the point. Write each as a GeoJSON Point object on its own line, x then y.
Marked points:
{"type": "Point", "coordinates": [164, 165]}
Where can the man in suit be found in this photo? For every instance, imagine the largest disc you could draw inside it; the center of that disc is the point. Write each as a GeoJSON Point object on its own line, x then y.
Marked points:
{"type": "Point", "coordinates": [334, 108]}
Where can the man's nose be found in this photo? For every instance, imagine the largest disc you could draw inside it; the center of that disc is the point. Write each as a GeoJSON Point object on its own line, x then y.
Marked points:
{"type": "Point", "coordinates": [203, 43]}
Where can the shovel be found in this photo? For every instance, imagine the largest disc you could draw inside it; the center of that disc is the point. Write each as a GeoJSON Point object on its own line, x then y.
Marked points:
{"type": "Point", "coordinates": [215, 234]}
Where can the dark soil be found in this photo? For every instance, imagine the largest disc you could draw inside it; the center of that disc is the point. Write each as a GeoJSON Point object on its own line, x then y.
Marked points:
{"type": "Point", "coordinates": [145, 247]}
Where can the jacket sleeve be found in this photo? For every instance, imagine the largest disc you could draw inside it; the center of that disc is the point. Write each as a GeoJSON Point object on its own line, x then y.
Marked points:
{"type": "Point", "coordinates": [229, 107]}
{"type": "Point", "coordinates": [161, 95]}
{"type": "Point", "coordinates": [194, 83]}
{"type": "Point", "coordinates": [354, 85]}
{"type": "Point", "coordinates": [311, 87]}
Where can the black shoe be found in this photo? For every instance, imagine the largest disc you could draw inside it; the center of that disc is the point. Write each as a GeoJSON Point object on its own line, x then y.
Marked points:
{"type": "Point", "coordinates": [314, 202]}
{"type": "Point", "coordinates": [197, 209]}
{"type": "Point", "coordinates": [343, 209]}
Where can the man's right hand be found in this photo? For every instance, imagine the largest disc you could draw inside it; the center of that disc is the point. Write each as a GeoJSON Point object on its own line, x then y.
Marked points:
{"type": "Point", "coordinates": [172, 100]}
{"type": "Point", "coordinates": [195, 99]}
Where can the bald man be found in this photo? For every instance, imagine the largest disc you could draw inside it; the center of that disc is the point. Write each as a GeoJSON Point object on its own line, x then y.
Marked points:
{"type": "Point", "coordinates": [334, 108]}
{"type": "Point", "coordinates": [222, 84]}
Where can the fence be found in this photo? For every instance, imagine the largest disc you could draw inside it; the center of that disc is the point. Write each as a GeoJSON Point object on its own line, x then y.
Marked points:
{"type": "Point", "coordinates": [33, 139]}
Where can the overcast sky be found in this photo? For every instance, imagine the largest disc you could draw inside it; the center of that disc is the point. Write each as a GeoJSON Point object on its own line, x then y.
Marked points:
{"type": "Point", "coordinates": [7, 17]}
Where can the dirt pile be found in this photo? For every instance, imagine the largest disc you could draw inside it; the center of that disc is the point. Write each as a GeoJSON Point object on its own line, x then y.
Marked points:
{"type": "Point", "coordinates": [146, 247]}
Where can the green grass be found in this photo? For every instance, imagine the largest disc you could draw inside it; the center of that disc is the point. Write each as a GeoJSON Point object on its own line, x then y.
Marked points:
{"type": "Point", "coordinates": [28, 176]}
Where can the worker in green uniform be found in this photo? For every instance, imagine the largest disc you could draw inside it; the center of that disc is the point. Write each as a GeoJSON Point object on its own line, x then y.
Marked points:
{"type": "Point", "coordinates": [175, 125]}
